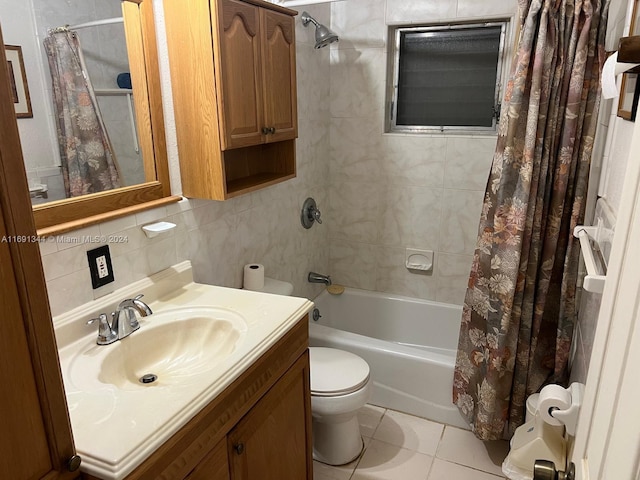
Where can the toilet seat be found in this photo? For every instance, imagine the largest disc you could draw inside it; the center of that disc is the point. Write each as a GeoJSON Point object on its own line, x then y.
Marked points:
{"type": "Point", "coordinates": [336, 372]}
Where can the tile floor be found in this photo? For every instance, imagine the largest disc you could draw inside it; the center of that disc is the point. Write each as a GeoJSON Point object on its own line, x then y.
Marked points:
{"type": "Point", "coordinates": [402, 447]}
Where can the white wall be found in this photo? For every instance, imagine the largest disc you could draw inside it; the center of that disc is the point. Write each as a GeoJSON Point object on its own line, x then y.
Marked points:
{"type": "Point", "coordinates": [37, 135]}
{"type": "Point", "coordinates": [220, 237]}
{"type": "Point", "coordinates": [390, 191]}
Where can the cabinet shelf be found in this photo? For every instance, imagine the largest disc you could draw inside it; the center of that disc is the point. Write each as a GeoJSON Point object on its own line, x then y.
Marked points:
{"type": "Point", "coordinates": [254, 182]}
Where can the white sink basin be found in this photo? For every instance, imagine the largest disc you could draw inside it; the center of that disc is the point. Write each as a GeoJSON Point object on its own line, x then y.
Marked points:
{"type": "Point", "coordinates": [172, 347]}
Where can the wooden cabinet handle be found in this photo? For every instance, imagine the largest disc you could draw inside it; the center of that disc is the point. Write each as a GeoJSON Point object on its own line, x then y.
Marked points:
{"type": "Point", "coordinates": [239, 448]}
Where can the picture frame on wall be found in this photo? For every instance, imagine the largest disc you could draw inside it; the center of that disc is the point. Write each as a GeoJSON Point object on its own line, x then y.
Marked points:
{"type": "Point", "coordinates": [18, 81]}
{"type": "Point", "coordinates": [630, 86]}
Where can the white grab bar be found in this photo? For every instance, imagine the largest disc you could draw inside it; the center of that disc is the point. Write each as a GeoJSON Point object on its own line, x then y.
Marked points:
{"type": "Point", "coordinates": [593, 281]}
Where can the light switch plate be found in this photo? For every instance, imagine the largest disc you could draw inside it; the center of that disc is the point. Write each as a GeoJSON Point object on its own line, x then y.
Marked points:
{"type": "Point", "coordinates": [100, 266]}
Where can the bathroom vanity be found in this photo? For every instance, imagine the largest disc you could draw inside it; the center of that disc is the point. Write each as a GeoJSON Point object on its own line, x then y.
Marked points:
{"type": "Point", "coordinates": [228, 403]}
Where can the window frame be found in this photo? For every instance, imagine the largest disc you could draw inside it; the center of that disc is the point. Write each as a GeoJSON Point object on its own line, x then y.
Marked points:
{"type": "Point", "coordinates": [393, 127]}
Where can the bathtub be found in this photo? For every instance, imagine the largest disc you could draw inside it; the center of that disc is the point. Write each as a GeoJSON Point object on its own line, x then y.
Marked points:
{"type": "Point", "coordinates": [410, 345]}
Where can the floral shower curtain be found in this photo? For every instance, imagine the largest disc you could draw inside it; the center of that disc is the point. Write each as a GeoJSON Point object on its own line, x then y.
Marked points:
{"type": "Point", "coordinates": [519, 310]}
{"type": "Point", "coordinates": [88, 162]}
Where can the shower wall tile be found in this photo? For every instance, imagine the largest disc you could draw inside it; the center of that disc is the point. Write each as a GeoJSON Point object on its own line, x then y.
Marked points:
{"type": "Point", "coordinates": [357, 82]}
{"type": "Point", "coordinates": [392, 276]}
{"type": "Point", "coordinates": [460, 217]}
{"type": "Point", "coordinates": [427, 188]}
{"type": "Point", "coordinates": [410, 216]}
{"type": "Point", "coordinates": [352, 264]}
{"type": "Point", "coordinates": [485, 9]}
{"type": "Point", "coordinates": [359, 23]}
{"type": "Point", "coordinates": [356, 150]}
{"type": "Point", "coordinates": [412, 11]}
{"type": "Point", "coordinates": [453, 275]}
{"type": "Point", "coordinates": [468, 162]}
{"type": "Point", "coordinates": [354, 211]}
{"type": "Point", "coordinates": [413, 160]}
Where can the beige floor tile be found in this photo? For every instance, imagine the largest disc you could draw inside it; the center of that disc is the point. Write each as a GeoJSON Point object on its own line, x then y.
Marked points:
{"type": "Point", "coordinates": [383, 461]}
{"type": "Point", "coordinates": [462, 447]}
{"type": "Point", "coordinates": [369, 418]}
{"type": "Point", "coordinates": [327, 472]}
{"type": "Point", "coordinates": [407, 431]}
{"type": "Point", "coordinates": [443, 470]}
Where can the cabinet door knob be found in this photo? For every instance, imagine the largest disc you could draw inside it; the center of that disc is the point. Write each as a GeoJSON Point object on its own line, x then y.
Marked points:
{"type": "Point", "coordinates": [239, 448]}
{"type": "Point", "coordinates": [266, 130]}
{"type": "Point", "coordinates": [73, 463]}
{"type": "Point", "coordinates": [272, 130]}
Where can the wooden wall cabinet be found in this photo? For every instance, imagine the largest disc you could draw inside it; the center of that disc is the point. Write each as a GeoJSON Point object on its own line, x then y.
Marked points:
{"type": "Point", "coordinates": [258, 428]}
{"type": "Point", "coordinates": [234, 89]}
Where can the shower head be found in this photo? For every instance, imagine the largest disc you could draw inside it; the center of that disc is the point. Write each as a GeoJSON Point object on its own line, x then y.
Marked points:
{"type": "Point", "coordinates": [324, 36]}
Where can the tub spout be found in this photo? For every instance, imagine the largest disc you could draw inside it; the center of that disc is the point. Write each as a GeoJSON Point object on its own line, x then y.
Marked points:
{"type": "Point", "coordinates": [319, 278]}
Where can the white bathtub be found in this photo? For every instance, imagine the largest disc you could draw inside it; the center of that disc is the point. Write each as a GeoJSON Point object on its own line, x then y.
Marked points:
{"type": "Point", "coordinates": [409, 344]}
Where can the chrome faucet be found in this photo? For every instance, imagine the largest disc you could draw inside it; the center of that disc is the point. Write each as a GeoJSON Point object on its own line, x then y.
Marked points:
{"type": "Point", "coordinates": [319, 278]}
{"type": "Point", "coordinates": [124, 321]}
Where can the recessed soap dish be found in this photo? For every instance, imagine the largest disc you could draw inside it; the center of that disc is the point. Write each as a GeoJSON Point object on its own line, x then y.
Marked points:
{"type": "Point", "coordinates": [419, 260]}
{"type": "Point", "coordinates": [155, 229]}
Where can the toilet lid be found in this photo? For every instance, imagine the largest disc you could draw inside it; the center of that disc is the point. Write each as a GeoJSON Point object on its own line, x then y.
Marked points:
{"type": "Point", "coordinates": [336, 372]}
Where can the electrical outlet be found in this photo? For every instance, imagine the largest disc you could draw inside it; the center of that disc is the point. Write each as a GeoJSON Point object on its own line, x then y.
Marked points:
{"type": "Point", "coordinates": [100, 266]}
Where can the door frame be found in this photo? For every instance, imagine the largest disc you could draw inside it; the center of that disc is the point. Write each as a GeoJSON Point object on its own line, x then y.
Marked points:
{"type": "Point", "coordinates": [607, 442]}
{"type": "Point", "coordinates": [15, 203]}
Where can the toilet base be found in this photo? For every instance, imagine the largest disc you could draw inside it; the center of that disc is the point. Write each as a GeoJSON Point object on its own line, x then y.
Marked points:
{"type": "Point", "coordinates": [336, 441]}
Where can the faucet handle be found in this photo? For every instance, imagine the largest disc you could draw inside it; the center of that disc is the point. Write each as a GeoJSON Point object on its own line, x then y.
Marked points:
{"type": "Point", "coordinates": [106, 334]}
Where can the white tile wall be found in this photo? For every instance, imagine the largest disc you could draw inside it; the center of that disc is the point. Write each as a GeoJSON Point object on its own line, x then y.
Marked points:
{"type": "Point", "coordinates": [390, 191]}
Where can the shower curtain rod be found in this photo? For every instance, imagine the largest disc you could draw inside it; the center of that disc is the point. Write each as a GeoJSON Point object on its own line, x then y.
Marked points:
{"type": "Point", "coordinates": [95, 23]}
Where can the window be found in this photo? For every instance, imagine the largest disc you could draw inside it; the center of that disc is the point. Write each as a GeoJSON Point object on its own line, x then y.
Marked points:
{"type": "Point", "coordinates": [447, 77]}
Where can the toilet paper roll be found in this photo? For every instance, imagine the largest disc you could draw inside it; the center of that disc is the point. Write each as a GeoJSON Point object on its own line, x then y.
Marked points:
{"type": "Point", "coordinates": [553, 397]}
{"type": "Point", "coordinates": [253, 277]}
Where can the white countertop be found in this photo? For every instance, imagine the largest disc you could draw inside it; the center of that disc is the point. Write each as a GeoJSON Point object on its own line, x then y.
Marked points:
{"type": "Point", "coordinates": [116, 429]}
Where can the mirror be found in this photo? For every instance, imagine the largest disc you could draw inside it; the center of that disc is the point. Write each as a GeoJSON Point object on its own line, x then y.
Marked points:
{"type": "Point", "coordinates": [120, 57]}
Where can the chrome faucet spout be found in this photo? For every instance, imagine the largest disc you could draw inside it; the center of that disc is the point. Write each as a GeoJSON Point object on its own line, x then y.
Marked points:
{"type": "Point", "coordinates": [319, 278]}
{"type": "Point", "coordinates": [124, 318]}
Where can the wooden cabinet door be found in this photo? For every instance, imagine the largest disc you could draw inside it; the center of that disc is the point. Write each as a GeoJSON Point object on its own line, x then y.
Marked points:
{"type": "Point", "coordinates": [35, 434]}
{"type": "Point", "coordinates": [215, 466]}
{"type": "Point", "coordinates": [279, 74]}
{"type": "Point", "coordinates": [273, 441]}
{"type": "Point", "coordinates": [238, 75]}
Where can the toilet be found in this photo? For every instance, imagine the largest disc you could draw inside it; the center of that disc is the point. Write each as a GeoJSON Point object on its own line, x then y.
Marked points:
{"type": "Point", "coordinates": [340, 386]}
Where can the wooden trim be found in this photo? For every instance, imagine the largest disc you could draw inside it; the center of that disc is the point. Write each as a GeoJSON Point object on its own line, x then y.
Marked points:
{"type": "Point", "coordinates": [191, 444]}
{"type": "Point", "coordinates": [103, 217]}
{"type": "Point", "coordinates": [155, 96]}
{"type": "Point", "coordinates": [272, 6]}
{"type": "Point", "coordinates": [78, 209]}
{"type": "Point", "coordinates": [193, 83]}
{"type": "Point", "coordinates": [132, 14]}
{"type": "Point", "coordinates": [143, 60]}
{"type": "Point", "coordinates": [25, 257]}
